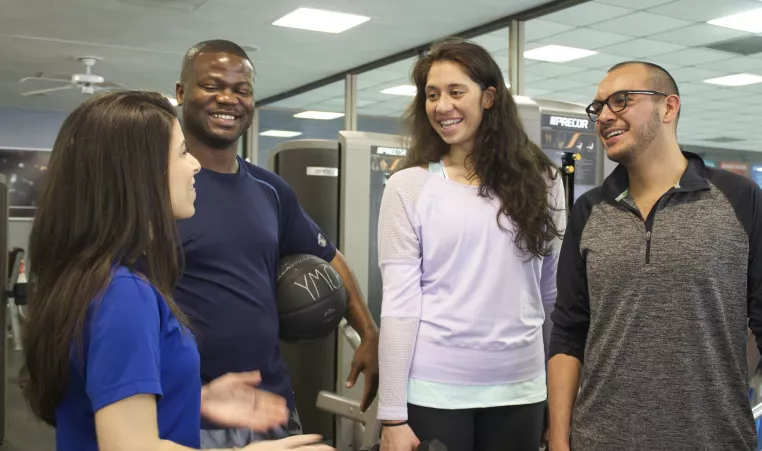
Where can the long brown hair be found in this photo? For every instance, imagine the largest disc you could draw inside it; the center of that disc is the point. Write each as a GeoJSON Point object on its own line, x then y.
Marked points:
{"type": "Point", "coordinates": [508, 164]}
{"type": "Point", "coordinates": [105, 202]}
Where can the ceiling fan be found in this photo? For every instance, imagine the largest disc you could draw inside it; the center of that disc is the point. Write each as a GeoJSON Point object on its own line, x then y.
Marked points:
{"type": "Point", "coordinates": [87, 83]}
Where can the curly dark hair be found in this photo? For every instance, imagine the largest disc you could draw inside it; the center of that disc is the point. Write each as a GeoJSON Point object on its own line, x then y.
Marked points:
{"type": "Point", "coordinates": [506, 162]}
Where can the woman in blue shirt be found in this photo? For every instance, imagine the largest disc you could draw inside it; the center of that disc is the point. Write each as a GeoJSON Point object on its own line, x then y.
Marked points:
{"type": "Point", "coordinates": [110, 361]}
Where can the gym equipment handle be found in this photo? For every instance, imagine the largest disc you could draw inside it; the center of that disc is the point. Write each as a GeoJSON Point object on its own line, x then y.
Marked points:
{"type": "Point", "coordinates": [350, 334]}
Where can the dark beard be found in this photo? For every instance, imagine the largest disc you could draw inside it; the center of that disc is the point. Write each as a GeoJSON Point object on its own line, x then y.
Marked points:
{"type": "Point", "coordinates": [644, 136]}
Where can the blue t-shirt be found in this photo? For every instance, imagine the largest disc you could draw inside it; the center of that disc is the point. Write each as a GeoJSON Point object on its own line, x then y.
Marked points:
{"type": "Point", "coordinates": [132, 344]}
{"type": "Point", "coordinates": [244, 223]}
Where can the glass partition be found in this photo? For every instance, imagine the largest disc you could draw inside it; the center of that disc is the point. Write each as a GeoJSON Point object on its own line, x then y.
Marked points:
{"type": "Point", "coordinates": [718, 69]}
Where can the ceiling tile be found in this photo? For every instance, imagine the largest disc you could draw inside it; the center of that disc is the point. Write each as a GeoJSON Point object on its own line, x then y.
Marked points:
{"type": "Point", "coordinates": [549, 70]}
{"type": "Point", "coordinates": [598, 61]}
{"type": "Point", "coordinates": [539, 93]}
{"type": "Point", "coordinates": [735, 65]}
{"type": "Point", "coordinates": [693, 56]}
{"type": "Point", "coordinates": [592, 77]}
{"type": "Point", "coordinates": [687, 74]}
{"type": "Point", "coordinates": [559, 84]}
{"type": "Point", "coordinates": [755, 89]}
{"type": "Point", "coordinates": [584, 38]}
{"type": "Point", "coordinates": [572, 96]}
{"type": "Point", "coordinates": [639, 4]}
{"type": "Point", "coordinates": [587, 13]}
{"type": "Point", "coordinates": [369, 80]}
{"type": "Point", "coordinates": [751, 109]}
{"type": "Point", "coordinates": [640, 24]}
{"type": "Point", "coordinates": [539, 28]}
{"type": "Point", "coordinates": [492, 43]}
{"type": "Point", "coordinates": [704, 10]}
{"type": "Point", "coordinates": [698, 35]}
{"type": "Point", "coordinates": [641, 48]}
{"type": "Point", "coordinates": [695, 88]}
{"type": "Point", "coordinates": [324, 106]}
{"type": "Point", "coordinates": [725, 94]}
{"type": "Point", "coordinates": [715, 106]}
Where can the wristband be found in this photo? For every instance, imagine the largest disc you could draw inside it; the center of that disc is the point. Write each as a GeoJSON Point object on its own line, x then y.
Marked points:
{"type": "Point", "coordinates": [391, 425]}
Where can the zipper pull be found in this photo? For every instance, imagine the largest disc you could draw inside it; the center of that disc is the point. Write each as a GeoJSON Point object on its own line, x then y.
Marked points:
{"type": "Point", "coordinates": [648, 236]}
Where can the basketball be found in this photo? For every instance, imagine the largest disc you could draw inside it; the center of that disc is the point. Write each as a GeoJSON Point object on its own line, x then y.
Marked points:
{"type": "Point", "coordinates": [311, 298]}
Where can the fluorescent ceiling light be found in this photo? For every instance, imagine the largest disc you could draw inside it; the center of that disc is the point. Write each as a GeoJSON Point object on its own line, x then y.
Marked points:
{"type": "Point", "coordinates": [735, 80]}
{"type": "Point", "coordinates": [403, 90]}
{"type": "Point", "coordinates": [557, 53]}
{"type": "Point", "coordinates": [318, 20]}
{"type": "Point", "coordinates": [280, 133]}
{"type": "Point", "coordinates": [750, 21]}
{"type": "Point", "coordinates": [322, 115]}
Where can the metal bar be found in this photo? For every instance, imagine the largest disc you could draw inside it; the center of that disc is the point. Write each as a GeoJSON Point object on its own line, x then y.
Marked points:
{"type": "Point", "coordinates": [516, 43]}
{"type": "Point", "coordinates": [251, 141]}
{"type": "Point", "coordinates": [13, 309]}
{"type": "Point", "coordinates": [339, 405]}
{"type": "Point", "coordinates": [757, 411]}
{"type": "Point", "coordinates": [488, 27]}
{"type": "Point", "coordinates": [4, 213]}
{"type": "Point", "coordinates": [350, 334]}
{"type": "Point", "coordinates": [350, 102]}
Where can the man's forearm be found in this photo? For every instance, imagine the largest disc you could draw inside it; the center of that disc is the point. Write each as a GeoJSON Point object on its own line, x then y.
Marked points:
{"type": "Point", "coordinates": [563, 385]}
{"type": "Point", "coordinates": [357, 312]}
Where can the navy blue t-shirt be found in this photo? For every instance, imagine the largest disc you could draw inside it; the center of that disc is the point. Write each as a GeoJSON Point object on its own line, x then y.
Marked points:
{"type": "Point", "coordinates": [132, 344]}
{"type": "Point", "coordinates": [244, 223]}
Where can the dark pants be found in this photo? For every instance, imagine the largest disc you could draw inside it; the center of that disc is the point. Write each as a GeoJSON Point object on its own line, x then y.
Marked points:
{"type": "Point", "coordinates": [229, 438]}
{"type": "Point", "coordinates": [508, 428]}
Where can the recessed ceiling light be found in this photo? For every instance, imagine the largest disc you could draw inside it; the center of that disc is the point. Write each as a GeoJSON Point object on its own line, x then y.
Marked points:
{"type": "Point", "coordinates": [750, 21]}
{"type": "Point", "coordinates": [403, 90]}
{"type": "Point", "coordinates": [322, 115]}
{"type": "Point", "coordinates": [557, 53]}
{"type": "Point", "coordinates": [280, 133]}
{"type": "Point", "coordinates": [319, 20]}
{"type": "Point", "coordinates": [735, 80]}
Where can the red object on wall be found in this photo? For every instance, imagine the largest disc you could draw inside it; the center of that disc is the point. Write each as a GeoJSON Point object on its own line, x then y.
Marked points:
{"type": "Point", "coordinates": [738, 168]}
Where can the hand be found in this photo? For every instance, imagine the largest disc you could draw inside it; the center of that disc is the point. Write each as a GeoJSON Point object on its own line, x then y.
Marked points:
{"type": "Point", "coordinates": [399, 438]}
{"type": "Point", "coordinates": [297, 442]}
{"type": "Point", "coordinates": [232, 401]}
{"type": "Point", "coordinates": [365, 360]}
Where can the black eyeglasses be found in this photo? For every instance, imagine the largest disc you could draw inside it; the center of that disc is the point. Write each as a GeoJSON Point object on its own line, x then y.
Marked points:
{"type": "Point", "coordinates": [616, 102]}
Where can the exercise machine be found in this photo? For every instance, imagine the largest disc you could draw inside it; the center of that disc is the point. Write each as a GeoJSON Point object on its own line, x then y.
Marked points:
{"type": "Point", "coordinates": [367, 427]}
{"type": "Point", "coordinates": [568, 160]}
{"type": "Point", "coordinates": [4, 211]}
{"type": "Point", "coordinates": [16, 294]}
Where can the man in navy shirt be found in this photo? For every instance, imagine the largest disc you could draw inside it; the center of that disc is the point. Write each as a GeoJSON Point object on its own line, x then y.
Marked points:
{"type": "Point", "coordinates": [246, 219]}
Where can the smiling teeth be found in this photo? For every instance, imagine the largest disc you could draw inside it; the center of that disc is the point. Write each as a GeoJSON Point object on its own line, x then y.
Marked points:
{"type": "Point", "coordinates": [224, 116]}
{"type": "Point", "coordinates": [614, 133]}
{"type": "Point", "coordinates": [450, 121]}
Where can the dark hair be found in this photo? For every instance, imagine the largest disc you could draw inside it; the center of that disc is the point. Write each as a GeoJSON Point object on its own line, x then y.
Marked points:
{"type": "Point", "coordinates": [508, 164]}
{"type": "Point", "coordinates": [105, 202]}
{"type": "Point", "coordinates": [658, 78]}
{"type": "Point", "coordinates": [212, 46]}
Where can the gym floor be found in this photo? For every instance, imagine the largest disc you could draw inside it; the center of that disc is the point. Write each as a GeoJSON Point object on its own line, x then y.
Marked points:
{"type": "Point", "coordinates": [23, 431]}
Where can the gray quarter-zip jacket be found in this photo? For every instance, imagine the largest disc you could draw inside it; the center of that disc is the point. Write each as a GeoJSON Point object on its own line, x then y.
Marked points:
{"type": "Point", "coordinates": [657, 308]}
